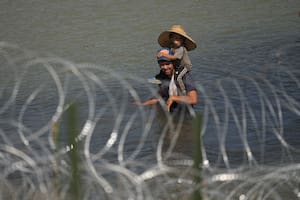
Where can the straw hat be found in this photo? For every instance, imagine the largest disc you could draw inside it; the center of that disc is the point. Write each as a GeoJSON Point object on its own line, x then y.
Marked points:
{"type": "Point", "coordinates": [164, 39]}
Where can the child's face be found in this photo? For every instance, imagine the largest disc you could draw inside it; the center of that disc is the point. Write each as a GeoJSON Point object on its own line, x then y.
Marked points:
{"type": "Point", "coordinates": [177, 40]}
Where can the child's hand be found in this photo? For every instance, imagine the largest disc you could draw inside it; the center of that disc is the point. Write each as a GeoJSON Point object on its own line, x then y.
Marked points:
{"type": "Point", "coordinates": [160, 54]}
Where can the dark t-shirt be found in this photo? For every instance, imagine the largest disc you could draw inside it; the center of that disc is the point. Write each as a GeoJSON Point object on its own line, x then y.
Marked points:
{"type": "Point", "coordinates": [164, 88]}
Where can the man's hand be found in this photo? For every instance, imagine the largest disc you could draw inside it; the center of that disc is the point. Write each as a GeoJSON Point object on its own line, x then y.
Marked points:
{"type": "Point", "coordinates": [170, 101]}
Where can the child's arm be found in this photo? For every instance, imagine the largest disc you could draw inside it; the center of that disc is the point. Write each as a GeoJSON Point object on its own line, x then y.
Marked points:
{"type": "Point", "coordinates": [162, 54]}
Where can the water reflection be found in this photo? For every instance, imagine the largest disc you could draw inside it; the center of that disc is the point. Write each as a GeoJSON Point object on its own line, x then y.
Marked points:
{"type": "Point", "coordinates": [176, 132]}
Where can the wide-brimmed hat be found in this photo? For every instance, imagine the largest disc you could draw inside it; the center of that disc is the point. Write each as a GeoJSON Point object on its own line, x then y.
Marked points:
{"type": "Point", "coordinates": [164, 37]}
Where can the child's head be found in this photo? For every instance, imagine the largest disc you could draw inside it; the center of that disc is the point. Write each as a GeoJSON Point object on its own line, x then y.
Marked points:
{"type": "Point", "coordinates": [176, 40]}
{"type": "Point", "coordinates": [176, 37]}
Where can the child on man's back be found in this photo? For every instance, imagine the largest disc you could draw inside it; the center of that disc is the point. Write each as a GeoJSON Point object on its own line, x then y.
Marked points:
{"type": "Point", "coordinates": [180, 43]}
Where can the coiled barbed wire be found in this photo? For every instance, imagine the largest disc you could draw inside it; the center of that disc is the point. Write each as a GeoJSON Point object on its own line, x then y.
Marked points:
{"type": "Point", "coordinates": [126, 151]}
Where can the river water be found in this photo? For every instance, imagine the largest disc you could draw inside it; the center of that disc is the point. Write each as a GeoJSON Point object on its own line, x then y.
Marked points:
{"type": "Point", "coordinates": [245, 64]}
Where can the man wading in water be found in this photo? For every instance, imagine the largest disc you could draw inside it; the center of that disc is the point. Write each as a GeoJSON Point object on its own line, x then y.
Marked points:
{"type": "Point", "coordinates": [175, 99]}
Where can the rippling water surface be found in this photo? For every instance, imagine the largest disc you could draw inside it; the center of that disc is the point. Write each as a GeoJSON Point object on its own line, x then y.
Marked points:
{"type": "Point", "coordinates": [246, 67]}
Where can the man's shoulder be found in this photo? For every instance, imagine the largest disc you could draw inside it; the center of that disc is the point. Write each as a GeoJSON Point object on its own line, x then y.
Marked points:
{"type": "Point", "coordinates": [188, 81]}
{"type": "Point", "coordinates": [188, 75]}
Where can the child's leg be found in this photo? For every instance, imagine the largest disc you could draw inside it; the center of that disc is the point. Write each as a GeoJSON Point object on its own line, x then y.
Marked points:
{"type": "Point", "coordinates": [180, 81]}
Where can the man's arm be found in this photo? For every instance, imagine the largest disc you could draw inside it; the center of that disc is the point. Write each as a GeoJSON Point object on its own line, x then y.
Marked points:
{"type": "Point", "coordinates": [191, 98]}
{"type": "Point", "coordinates": [148, 102]}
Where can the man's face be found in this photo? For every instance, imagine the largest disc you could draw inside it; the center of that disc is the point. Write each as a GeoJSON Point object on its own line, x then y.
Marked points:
{"type": "Point", "coordinates": [167, 67]}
